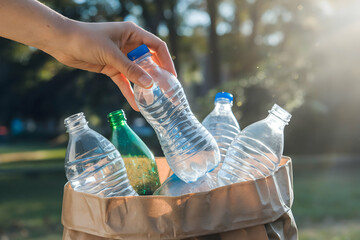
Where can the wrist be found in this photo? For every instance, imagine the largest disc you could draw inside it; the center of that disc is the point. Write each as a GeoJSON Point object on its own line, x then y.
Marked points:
{"type": "Point", "coordinates": [57, 36]}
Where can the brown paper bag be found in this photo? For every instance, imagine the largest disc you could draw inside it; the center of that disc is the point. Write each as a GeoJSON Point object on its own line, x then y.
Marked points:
{"type": "Point", "coordinates": [257, 209]}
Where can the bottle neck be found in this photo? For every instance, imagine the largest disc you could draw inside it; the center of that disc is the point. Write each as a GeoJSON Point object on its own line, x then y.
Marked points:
{"type": "Point", "coordinates": [76, 123]}
{"type": "Point", "coordinates": [275, 121]}
{"type": "Point", "coordinates": [117, 119]}
{"type": "Point", "coordinates": [279, 116]}
{"type": "Point", "coordinates": [223, 105]}
{"type": "Point", "coordinates": [146, 62]}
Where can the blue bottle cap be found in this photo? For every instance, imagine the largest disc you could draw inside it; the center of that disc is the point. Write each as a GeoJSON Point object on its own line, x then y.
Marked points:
{"type": "Point", "coordinates": [138, 52]}
{"type": "Point", "coordinates": [224, 95]}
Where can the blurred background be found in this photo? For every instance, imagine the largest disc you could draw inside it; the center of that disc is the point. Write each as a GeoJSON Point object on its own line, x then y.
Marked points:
{"type": "Point", "coordinates": [300, 54]}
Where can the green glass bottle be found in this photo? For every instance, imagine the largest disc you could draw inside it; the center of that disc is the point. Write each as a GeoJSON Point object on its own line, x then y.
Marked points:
{"type": "Point", "coordinates": [139, 161]}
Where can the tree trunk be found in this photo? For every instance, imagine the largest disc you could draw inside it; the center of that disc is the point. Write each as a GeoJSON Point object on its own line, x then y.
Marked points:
{"type": "Point", "coordinates": [213, 79]}
{"type": "Point", "coordinates": [173, 36]}
{"type": "Point", "coordinates": [171, 24]}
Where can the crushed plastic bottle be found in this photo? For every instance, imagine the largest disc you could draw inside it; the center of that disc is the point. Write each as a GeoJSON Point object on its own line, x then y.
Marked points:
{"type": "Point", "coordinates": [139, 161]}
{"type": "Point", "coordinates": [173, 186]}
{"type": "Point", "coordinates": [221, 122]}
{"type": "Point", "coordinates": [256, 151]}
{"type": "Point", "coordinates": [189, 148]}
{"type": "Point", "coordinates": [92, 163]}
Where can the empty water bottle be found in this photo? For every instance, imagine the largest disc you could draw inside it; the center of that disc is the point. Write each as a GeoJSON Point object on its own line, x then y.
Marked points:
{"type": "Point", "coordinates": [256, 151]}
{"type": "Point", "coordinates": [189, 148]}
{"type": "Point", "coordinates": [92, 163]}
{"type": "Point", "coordinates": [221, 122]}
{"type": "Point", "coordinates": [173, 186]}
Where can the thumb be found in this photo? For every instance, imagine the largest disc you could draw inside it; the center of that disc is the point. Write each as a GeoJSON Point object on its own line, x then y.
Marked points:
{"type": "Point", "coordinates": [132, 71]}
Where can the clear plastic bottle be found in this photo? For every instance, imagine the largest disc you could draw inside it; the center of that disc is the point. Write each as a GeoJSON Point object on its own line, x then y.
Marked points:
{"type": "Point", "coordinates": [92, 163]}
{"type": "Point", "coordinates": [256, 151]}
{"type": "Point", "coordinates": [173, 186]}
{"type": "Point", "coordinates": [140, 163]}
{"type": "Point", "coordinates": [221, 122]}
{"type": "Point", "coordinates": [189, 148]}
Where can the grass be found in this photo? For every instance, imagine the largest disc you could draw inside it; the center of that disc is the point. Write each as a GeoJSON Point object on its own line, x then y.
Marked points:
{"type": "Point", "coordinates": [31, 182]}
{"type": "Point", "coordinates": [30, 152]}
{"type": "Point", "coordinates": [338, 231]}
{"type": "Point", "coordinates": [26, 147]}
{"type": "Point", "coordinates": [30, 205]}
{"type": "Point", "coordinates": [326, 192]}
{"type": "Point", "coordinates": [326, 195]}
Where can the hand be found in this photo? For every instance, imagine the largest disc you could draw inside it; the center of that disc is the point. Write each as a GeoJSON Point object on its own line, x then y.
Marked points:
{"type": "Point", "coordinates": [102, 48]}
{"type": "Point", "coordinates": [96, 47]}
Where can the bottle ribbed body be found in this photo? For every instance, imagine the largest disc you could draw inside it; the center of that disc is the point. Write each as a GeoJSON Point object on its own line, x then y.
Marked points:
{"type": "Point", "coordinates": [256, 151]}
{"type": "Point", "coordinates": [247, 159]}
{"type": "Point", "coordinates": [189, 148]}
{"type": "Point", "coordinates": [139, 161]}
{"type": "Point", "coordinates": [222, 125]}
{"type": "Point", "coordinates": [92, 164]}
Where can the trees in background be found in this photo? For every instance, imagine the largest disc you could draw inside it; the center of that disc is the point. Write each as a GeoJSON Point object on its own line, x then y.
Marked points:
{"type": "Point", "coordinates": [261, 51]}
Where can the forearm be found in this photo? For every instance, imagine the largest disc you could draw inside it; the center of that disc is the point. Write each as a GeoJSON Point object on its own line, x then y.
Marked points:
{"type": "Point", "coordinates": [95, 47]}
{"type": "Point", "coordinates": [32, 23]}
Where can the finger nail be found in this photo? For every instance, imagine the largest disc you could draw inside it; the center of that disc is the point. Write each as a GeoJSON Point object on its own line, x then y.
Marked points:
{"type": "Point", "coordinates": [146, 81]}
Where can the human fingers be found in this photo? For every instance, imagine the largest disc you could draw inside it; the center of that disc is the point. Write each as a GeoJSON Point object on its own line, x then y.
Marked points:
{"type": "Point", "coordinates": [158, 48]}
{"type": "Point", "coordinates": [164, 59]}
{"type": "Point", "coordinates": [130, 70]}
{"type": "Point", "coordinates": [126, 89]}
{"type": "Point", "coordinates": [109, 71]}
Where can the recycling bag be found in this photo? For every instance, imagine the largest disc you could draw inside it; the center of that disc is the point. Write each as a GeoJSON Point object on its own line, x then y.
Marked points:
{"type": "Point", "coordinates": [258, 209]}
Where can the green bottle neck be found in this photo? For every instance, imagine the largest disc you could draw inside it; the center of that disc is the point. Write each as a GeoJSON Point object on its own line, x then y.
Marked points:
{"type": "Point", "coordinates": [118, 124]}
{"type": "Point", "coordinates": [117, 119]}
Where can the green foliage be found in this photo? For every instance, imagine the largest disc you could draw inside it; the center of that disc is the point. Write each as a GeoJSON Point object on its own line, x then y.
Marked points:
{"type": "Point", "coordinates": [268, 52]}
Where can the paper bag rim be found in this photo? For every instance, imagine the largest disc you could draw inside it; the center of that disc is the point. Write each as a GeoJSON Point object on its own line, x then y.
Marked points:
{"type": "Point", "coordinates": [227, 208]}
